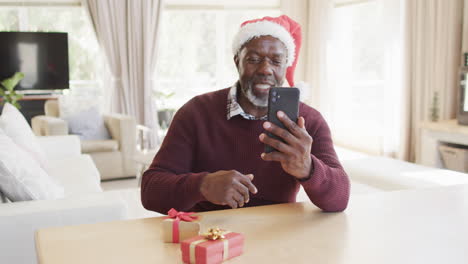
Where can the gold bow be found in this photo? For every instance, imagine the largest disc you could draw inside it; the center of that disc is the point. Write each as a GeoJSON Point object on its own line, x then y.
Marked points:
{"type": "Point", "coordinates": [214, 234]}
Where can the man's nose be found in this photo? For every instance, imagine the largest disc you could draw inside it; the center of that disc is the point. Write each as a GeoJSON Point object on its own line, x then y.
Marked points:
{"type": "Point", "coordinates": [265, 68]}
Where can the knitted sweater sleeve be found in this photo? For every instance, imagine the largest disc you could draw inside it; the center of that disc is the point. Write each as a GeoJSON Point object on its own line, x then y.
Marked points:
{"type": "Point", "coordinates": [329, 186]}
{"type": "Point", "coordinates": [170, 182]}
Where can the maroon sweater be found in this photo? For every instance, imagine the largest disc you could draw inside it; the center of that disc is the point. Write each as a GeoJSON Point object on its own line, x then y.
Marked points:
{"type": "Point", "coordinates": [201, 140]}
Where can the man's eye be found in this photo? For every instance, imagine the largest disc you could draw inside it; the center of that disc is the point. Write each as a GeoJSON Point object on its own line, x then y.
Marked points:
{"type": "Point", "coordinates": [253, 60]}
{"type": "Point", "coordinates": [277, 62]}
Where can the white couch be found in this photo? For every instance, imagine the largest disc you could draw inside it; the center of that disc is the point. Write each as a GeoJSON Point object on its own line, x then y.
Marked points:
{"type": "Point", "coordinates": [84, 201]}
{"type": "Point", "coordinates": [371, 174]}
{"type": "Point", "coordinates": [387, 174]}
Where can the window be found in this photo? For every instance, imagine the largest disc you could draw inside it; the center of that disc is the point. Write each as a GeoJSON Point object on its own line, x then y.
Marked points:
{"type": "Point", "coordinates": [84, 56]}
{"type": "Point", "coordinates": [365, 76]}
{"type": "Point", "coordinates": [194, 54]}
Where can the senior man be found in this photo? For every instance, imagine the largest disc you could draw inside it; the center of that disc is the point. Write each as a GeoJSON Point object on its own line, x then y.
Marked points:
{"type": "Point", "coordinates": [212, 156]}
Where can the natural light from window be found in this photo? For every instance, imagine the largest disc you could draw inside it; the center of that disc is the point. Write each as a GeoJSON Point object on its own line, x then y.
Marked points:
{"type": "Point", "coordinates": [364, 76]}
{"type": "Point", "coordinates": [195, 55]}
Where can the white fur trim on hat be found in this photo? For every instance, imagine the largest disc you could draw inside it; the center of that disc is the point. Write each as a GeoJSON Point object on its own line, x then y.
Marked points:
{"type": "Point", "coordinates": [265, 28]}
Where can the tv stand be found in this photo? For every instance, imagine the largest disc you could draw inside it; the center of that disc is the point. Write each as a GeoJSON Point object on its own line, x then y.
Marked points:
{"type": "Point", "coordinates": [33, 105]}
{"type": "Point", "coordinates": [35, 94]}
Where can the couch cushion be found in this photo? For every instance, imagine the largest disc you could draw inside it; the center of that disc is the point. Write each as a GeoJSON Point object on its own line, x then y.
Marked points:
{"type": "Point", "coordinates": [60, 146]}
{"type": "Point", "coordinates": [21, 176]}
{"type": "Point", "coordinates": [82, 179]}
{"type": "Point", "coordinates": [90, 146]}
{"type": "Point", "coordinates": [391, 174]}
{"type": "Point", "coordinates": [356, 189]}
{"type": "Point", "coordinates": [17, 128]}
{"type": "Point", "coordinates": [19, 221]}
{"type": "Point", "coordinates": [88, 125]}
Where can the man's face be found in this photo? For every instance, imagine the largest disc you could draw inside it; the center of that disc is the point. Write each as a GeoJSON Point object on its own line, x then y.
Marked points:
{"type": "Point", "coordinates": [261, 64]}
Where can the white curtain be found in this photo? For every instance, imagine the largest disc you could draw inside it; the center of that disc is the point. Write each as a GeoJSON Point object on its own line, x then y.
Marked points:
{"type": "Point", "coordinates": [432, 60]}
{"type": "Point", "coordinates": [127, 32]}
{"type": "Point", "coordinates": [329, 64]}
{"type": "Point", "coordinates": [314, 18]}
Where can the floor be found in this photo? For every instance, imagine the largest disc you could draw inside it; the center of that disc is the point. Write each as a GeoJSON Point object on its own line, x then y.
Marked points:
{"type": "Point", "coordinates": [119, 184]}
{"type": "Point", "coordinates": [128, 191]}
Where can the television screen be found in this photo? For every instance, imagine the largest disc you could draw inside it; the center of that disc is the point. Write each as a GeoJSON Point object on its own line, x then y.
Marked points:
{"type": "Point", "coordinates": [42, 57]}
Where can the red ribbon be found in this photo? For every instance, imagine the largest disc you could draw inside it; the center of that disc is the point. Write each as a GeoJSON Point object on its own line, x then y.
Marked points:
{"type": "Point", "coordinates": [178, 216]}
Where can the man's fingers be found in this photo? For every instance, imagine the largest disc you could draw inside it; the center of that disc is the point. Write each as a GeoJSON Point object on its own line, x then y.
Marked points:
{"type": "Point", "coordinates": [247, 182]}
{"type": "Point", "coordinates": [243, 190]}
{"type": "Point", "coordinates": [290, 125]}
{"type": "Point", "coordinates": [274, 156]}
{"type": "Point", "coordinates": [231, 203]}
{"type": "Point", "coordinates": [301, 122]}
{"type": "Point", "coordinates": [278, 145]}
{"type": "Point", "coordinates": [239, 198]}
{"type": "Point", "coordinates": [280, 132]}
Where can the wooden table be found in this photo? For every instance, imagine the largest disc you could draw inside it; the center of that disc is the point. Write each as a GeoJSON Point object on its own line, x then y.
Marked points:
{"type": "Point", "coordinates": [415, 226]}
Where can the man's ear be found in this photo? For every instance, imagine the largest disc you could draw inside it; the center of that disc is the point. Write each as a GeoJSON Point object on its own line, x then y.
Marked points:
{"type": "Point", "coordinates": [236, 61]}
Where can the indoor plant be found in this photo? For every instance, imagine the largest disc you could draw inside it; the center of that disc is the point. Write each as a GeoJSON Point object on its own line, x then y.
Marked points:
{"type": "Point", "coordinates": [7, 91]}
{"type": "Point", "coordinates": [165, 113]}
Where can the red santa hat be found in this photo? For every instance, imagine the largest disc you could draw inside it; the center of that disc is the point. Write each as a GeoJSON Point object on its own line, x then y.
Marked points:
{"type": "Point", "coordinates": [283, 28]}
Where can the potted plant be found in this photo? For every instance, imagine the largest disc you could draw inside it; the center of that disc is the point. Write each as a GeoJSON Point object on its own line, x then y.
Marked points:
{"type": "Point", "coordinates": [7, 91]}
{"type": "Point", "coordinates": [165, 113]}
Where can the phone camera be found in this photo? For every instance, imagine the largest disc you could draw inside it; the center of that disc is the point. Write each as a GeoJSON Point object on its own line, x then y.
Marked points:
{"type": "Point", "coordinates": [273, 99]}
{"type": "Point", "coordinates": [274, 93]}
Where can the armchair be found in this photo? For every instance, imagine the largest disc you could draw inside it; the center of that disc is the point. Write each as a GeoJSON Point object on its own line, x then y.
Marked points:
{"type": "Point", "coordinates": [113, 157]}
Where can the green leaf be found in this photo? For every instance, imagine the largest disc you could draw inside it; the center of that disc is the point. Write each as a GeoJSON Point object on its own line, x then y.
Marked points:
{"type": "Point", "coordinates": [11, 82]}
{"type": "Point", "coordinates": [7, 89]}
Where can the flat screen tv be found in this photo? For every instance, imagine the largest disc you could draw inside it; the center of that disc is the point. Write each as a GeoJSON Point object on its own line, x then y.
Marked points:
{"type": "Point", "coordinates": [42, 57]}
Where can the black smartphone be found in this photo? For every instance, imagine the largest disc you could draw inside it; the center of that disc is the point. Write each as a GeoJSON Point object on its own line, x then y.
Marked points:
{"type": "Point", "coordinates": [285, 99]}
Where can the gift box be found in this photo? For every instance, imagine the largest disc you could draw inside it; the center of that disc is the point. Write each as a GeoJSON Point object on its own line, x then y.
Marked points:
{"type": "Point", "coordinates": [179, 226]}
{"type": "Point", "coordinates": [203, 249]}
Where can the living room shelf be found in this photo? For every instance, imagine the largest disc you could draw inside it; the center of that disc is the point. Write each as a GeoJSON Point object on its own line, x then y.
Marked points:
{"type": "Point", "coordinates": [434, 134]}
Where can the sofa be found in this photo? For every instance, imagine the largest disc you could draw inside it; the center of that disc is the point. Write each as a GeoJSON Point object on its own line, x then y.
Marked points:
{"type": "Point", "coordinates": [83, 203]}
{"type": "Point", "coordinates": [373, 174]}
{"type": "Point", "coordinates": [113, 157]}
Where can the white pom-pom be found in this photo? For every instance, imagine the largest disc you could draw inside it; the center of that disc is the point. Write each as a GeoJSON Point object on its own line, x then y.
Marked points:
{"type": "Point", "coordinates": [304, 88]}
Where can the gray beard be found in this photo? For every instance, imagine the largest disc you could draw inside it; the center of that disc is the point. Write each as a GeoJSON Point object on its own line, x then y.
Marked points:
{"type": "Point", "coordinates": [254, 99]}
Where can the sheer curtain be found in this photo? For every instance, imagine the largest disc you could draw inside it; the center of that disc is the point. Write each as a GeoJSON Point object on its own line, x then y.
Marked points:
{"type": "Point", "coordinates": [314, 17]}
{"type": "Point", "coordinates": [432, 61]}
{"type": "Point", "coordinates": [374, 66]}
{"type": "Point", "coordinates": [351, 60]}
{"type": "Point", "coordinates": [363, 100]}
{"type": "Point", "coordinates": [127, 32]}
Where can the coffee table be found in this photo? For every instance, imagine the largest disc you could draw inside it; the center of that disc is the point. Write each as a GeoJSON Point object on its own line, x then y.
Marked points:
{"type": "Point", "coordinates": [414, 226]}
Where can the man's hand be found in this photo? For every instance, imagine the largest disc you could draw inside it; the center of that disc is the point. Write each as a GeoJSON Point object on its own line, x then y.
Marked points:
{"type": "Point", "coordinates": [294, 155]}
{"type": "Point", "coordinates": [228, 188]}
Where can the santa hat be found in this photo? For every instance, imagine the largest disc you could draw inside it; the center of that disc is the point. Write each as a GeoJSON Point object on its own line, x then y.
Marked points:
{"type": "Point", "coordinates": [283, 28]}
